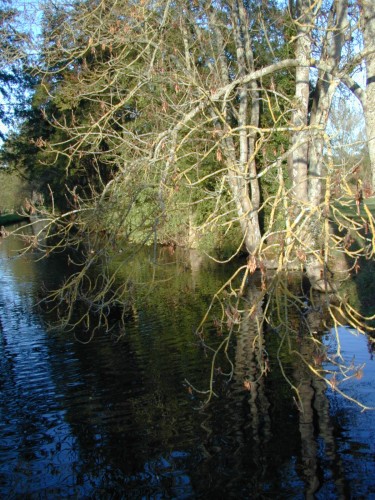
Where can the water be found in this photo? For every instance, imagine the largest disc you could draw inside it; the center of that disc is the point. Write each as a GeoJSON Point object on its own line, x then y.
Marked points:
{"type": "Point", "coordinates": [115, 418]}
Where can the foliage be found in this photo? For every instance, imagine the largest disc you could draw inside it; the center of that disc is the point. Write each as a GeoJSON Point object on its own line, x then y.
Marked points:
{"type": "Point", "coordinates": [13, 56]}
{"type": "Point", "coordinates": [13, 192]}
{"type": "Point", "coordinates": [200, 124]}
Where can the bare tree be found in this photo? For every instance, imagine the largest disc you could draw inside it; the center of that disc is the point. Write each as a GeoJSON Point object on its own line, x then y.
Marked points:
{"type": "Point", "coordinates": [168, 98]}
{"type": "Point", "coordinates": [153, 99]}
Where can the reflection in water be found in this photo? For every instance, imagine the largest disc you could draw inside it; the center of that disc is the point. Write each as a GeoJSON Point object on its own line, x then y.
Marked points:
{"type": "Point", "coordinates": [113, 417]}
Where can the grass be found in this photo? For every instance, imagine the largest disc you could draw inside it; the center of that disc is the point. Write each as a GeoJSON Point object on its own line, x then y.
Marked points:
{"type": "Point", "coordinates": [349, 208]}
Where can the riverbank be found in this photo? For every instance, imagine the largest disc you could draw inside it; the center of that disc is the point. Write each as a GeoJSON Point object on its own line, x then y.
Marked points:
{"type": "Point", "coordinates": [13, 218]}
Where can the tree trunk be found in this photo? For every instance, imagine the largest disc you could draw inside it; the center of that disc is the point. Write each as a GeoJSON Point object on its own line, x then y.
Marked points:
{"type": "Point", "coordinates": [247, 213]}
{"type": "Point", "coordinates": [325, 88]}
{"type": "Point", "coordinates": [368, 32]}
{"type": "Point", "coordinates": [239, 152]}
{"type": "Point", "coordinates": [334, 40]}
{"type": "Point", "coordinates": [300, 139]}
{"type": "Point", "coordinates": [308, 156]}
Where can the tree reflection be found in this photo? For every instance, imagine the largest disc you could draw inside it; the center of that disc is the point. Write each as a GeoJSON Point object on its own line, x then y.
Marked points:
{"type": "Point", "coordinates": [121, 420]}
{"type": "Point", "coordinates": [268, 412]}
{"type": "Point", "coordinates": [315, 425]}
{"type": "Point", "coordinates": [252, 366]}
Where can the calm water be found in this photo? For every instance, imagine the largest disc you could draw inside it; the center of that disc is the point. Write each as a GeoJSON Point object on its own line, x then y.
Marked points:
{"type": "Point", "coordinates": [114, 418]}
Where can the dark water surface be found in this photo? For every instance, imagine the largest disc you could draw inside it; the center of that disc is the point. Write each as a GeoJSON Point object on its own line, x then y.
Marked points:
{"type": "Point", "coordinates": [113, 418]}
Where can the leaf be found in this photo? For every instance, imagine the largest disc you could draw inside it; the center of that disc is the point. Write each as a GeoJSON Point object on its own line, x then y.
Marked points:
{"type": "Point", "coordinates": [252, 264]}
{"type": "Point", "coordinates": [247, 385]}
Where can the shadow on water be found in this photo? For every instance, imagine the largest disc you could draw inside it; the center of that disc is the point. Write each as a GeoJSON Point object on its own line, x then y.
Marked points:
{"type": "Point", "coordinates": [114, 417]}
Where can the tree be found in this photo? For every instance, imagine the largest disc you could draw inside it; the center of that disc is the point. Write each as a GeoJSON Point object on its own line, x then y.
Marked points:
{"type": "Point", "coordinates": [166, 99]}
{"type": "Point", "coordinates": [367, 20]}
{"type": "Point", "coordinates": [348, 139]}
{"type": "Point", "coordinates": [205, 109]}
{"type": "Point", "coordinates": [12, 56]}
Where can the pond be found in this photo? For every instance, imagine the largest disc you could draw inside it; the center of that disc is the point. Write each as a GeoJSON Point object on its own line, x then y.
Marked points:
{"type": "Point", "coordinates": [115, 417]}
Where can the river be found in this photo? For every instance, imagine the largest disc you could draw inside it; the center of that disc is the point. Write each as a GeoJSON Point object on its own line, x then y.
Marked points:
{"type": "Point", "coordinates": [115, 418]}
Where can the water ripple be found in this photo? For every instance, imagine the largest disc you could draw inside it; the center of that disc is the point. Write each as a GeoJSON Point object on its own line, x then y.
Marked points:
{"type": "Point", "coordinates": [113, 418]}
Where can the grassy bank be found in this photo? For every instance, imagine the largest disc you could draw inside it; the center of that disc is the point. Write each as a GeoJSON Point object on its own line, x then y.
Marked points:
{"type": "Point", "coordinates": [7, 219]}
{"type": "Point", "coordinates": [349, 208]}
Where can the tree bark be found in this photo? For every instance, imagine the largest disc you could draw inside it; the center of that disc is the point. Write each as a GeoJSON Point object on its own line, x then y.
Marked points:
{"type": "Point", "coordinates": [300, 116]}
{"type": "Point", "coordinates": [368, 33]}
{"type": "Point", "coordinates": [325, 88]}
